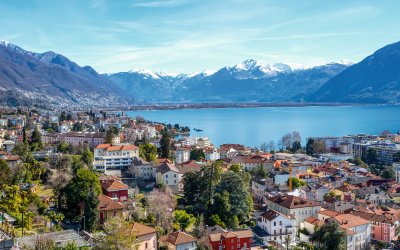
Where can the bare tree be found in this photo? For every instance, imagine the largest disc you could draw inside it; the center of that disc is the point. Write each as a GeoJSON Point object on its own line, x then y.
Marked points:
{"type": "Point", "coordinates": [263, 147]}
{"type": "Point", "coordinates": [161, 204]}
{"type": "Point", "coordinates": [271, 146]}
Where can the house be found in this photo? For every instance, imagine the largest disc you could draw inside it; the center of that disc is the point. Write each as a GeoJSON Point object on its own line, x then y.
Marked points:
{"type": "Point", "coordinates": [298, 207]}
{"type": "Point", "coordinates": [145, 235]}
{"type": "Point", "coordinates": [241, 239]}
{"type": "Point", "coordinates": [383, 223]}
{"type": "Point", "coordinates": [212, 154]}
{"type": "Point", "coordinates": [178, 241]}
{"type": "Point", "coordinates": [114, 156]}
{"type": "Point", "coordinates": [109, 208]}
{"type": "Point", "coordinates": [114, 188]}
{"type": "Point", "coordinates": [143, 169]}
{"type": "Point", "coordinates": [182, 154]}
{"type": "Point", "coordinates": [168, 175]}
{"type": "Point", "coordinates": [358, 230]}
{"type": "Point", "coordinates": [316, 191]}
{"type": "Point", "coordinates": [274, 226]}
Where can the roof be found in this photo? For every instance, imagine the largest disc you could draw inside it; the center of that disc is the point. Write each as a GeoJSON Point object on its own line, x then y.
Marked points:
{"type": "Point", "coordinates": [271, 214]}
{"type": "Point", "coordinates": [113, 185]}
{"type": "Point", "coordinates": [110, 147]}
{"type": "Point", "coordinates": [103, 146]}
{"type": "Point", "coordinates": [106, 204]}
{"type": "Point", "coordinates": [348, 221]}
{"type": "Point", "coordinates": [139, 229]}
{"type": "Point", "coordinates": [178, 238]}
{"type": "Point", "coordinates": [166, 167]}
{"type": "Point", "coordinates": [292, 202]}
{"type": "Point", "coordinates": [61, 238]}
{"type": "Point", "coordinates": [189, 166]}
{"type": "Point", "coordinates": [329, 213]}
{"type": "Point", "coordinates": [245, 233]}
{"type": "Point", "coordinates": [314, 221]}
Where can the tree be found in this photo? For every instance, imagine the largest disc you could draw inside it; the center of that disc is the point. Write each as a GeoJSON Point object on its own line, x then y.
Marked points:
{"type": "Point", "coordinates": [5, 173]}
{"type": "Point", "coordinates": [59, 174]}
{"type": "Point", "coordinates": [161, 203]}
{"type": "Point", "coordinates": [396, 157]}
{"type": "Point", "coordinates": [310, 146]}
{"type": "Point", "coordinates": [118, 235]}
{"type": "Point", "coordinates": [148, 152]}
{"type": "Point", "coordinates": [109, 135]}
{"type": "Point", "coordinates": [235, 168]}
{"type": "Point", "coordinates": [77, 126]}
{"type": "Point", "coordinates": [87, 157]}
{"type": "Point", "coordinates": [82, 192]}
{"type": "Point", "coordinates": [165, 144]}
{"type": "Point", "coordinates": [296, 182]}
{"type": "Point", "coordinates": [183, 220]}
{"type": "Point", "coordinates": [296, 146]}
{"type": "Point", "coordinates": [259, 171]}
{"type": "Point", "coordinates": [24, 137]}
{"type": "Point", "coordinates": [329, 236]}
{"type": "Point", "coordinates": [232, 197]}
{"type": "Point", "coordinates": [388, 172]}
{"type": "Point", "coordinates": [36, 140]}
{"type": "Point", "coordinates": [371, 156]}
{"type": "Point", "coordinates": [197, 154]}
{"type": "Point", "coordinates": [271, 146]}
{"type": "Point", "coordinates": [199, 227]}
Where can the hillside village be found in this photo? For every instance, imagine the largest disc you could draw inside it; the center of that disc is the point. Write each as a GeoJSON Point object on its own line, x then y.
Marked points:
{"type": "Point", "coordinates": [103, 180]}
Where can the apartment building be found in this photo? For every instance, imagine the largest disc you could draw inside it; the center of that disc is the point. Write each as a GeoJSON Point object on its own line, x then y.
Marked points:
{"type": "Point", "coordinates": [114, 156]}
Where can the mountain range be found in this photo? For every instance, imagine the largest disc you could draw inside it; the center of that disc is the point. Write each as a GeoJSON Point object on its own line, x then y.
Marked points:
{"type": "Point", "coordinates": [30, 78]}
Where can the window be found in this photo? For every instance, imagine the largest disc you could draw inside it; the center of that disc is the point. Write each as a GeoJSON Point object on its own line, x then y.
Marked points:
{"type": "Point", "coordinates": [274, 223]}
{"type": "Point", "coordinates": [146, 245]}
{"type": "Point", "coordinates": [280, 223]}
{"type": "Point", "coordinates": [166, 176]}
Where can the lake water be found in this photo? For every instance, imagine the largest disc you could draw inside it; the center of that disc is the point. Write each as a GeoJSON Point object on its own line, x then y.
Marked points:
{"type": "Point", "coordinates": [253, 126]}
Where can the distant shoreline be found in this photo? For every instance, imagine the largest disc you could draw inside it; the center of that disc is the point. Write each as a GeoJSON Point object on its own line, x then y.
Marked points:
{"type": "Point", "coordinates": [177, 106]}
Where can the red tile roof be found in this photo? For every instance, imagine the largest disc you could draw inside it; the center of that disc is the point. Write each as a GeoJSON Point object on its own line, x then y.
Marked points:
{"type": "Point", "coordinates": [106, 204]}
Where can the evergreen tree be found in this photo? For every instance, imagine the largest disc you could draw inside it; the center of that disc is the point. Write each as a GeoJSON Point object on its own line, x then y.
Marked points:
{"type": "Point", "coordinates": [109, 136]}
{"type": "Point", "coordinates": [91, 212]}
{"type": "Point", "coordinates": [24, 137]}
{"type": "Point", "coordinates": [165, 144]}
{"type": "Point", "coordinates": [87, 156]}
{"type": "Point", "coordinates": [5, 173]}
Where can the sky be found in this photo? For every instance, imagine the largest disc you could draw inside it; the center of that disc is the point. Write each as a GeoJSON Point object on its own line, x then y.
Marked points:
{"type": "Point", "coordinates": [184, 36]}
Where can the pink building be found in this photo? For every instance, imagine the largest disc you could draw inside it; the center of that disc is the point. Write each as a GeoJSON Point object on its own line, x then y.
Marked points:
{"type": "Point", "coordinates": [383, 226]}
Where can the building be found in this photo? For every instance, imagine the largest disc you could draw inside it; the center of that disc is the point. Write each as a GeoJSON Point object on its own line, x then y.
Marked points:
{"type": "Point", "coordinates": [274, 226]}
{"type": "Point", "coordinates": [168, 175]}
{"type": "Point", "coordinates": [143, 169]}
{"type": "Point", "coordinates": [383, 226]}
{"type": "Point", "coordinates": [396, 167]}
{"type": "Point", "coordinates": [114, 156]}
{"type": "Point", "coordinates": [182, 154]}
{"type": "Point", "coordinates": [241, 239]}
{"type": "Point", "coordinates": [109, 208]}
{"type": "Point", "coordinates": [114, 188]}
{"type": "Point", "coordinates": [81, 138]}
{"type": "Point", "coordinates": [298, 207]}
{"type": "Point", "coordinates": [212, 154]}
{"type": "Point", "coordinates": [358, 230]}
{"type": "Point", "coordinates": [178, 241]}
{"type": "Point", "coordinates": [60, 239]}
{"type": "Point", "coordinates": [145, 235]}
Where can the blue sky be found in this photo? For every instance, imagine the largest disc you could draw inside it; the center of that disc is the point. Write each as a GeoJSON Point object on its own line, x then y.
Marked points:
{"type": "Point", "coordinates": [191, 35]}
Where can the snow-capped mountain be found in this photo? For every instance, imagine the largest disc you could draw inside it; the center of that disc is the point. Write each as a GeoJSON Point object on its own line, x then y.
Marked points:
{"type": "Point", "coordinates": [250, 80]}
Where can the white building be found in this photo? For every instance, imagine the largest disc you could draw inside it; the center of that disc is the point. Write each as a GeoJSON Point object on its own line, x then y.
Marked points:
{"type": "Point", "coordinates": [276, 227]}
{"type": "Point", "coordinates": [296, 206]}
{"type": "Point", "coordinates": [396, 167]}
{"type": "Point", "coordinates": [182, 154]}
{"type": "Point", "coordinates": [143, 169]}
{"type": "Point", "coordinates": [212, 154]}
{"type": "Point", "coordinates": [168, 175]}
{"type": "Point", "coordinates": [114, 157]}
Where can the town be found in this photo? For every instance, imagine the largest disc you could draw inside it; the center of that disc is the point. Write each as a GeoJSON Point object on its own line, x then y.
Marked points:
{"type": "Point", "coordinates": [103, 180]}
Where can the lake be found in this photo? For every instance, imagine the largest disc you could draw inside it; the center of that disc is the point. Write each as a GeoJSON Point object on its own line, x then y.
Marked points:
{"type": "Point", "coordinates": [253, 126]}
